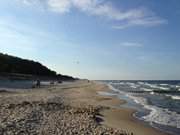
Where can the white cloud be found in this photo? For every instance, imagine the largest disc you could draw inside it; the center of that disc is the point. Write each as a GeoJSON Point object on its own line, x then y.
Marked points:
{"type": "Point", "coordinates": [102, 8]}
{"type": "Point", "coordinates": [60, 6]}
{"type": "Point", "coordinates": [27, 2]}
{"type": "Point", "coordinates": [147, 21]}
{"type": "Point", "coordinates": [30, 2]}
{"type": "Point", "coordinates": [131, 44]}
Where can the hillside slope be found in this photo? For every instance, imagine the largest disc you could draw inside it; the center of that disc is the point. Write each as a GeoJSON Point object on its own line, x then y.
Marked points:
{"type": "Point", "coordinates": [15, 65]}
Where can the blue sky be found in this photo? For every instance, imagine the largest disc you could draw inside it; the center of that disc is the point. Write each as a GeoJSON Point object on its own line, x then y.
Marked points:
{"type": "Point", "coordinates": [95, 39]}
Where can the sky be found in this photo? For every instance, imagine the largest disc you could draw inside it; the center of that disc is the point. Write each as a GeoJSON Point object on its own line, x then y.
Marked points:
{"type": "Point", "coordinates": [95, 39]}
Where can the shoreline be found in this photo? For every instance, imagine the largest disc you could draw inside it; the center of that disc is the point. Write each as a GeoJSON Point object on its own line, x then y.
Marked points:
{"type": "Point", "coordinates": [120, 117]}
{"type": "Point", "coordinates": [74, 107]}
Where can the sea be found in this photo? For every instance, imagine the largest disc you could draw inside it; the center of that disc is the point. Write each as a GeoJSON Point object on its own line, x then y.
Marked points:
{"type": "Point", "coordinates": [157, 102]}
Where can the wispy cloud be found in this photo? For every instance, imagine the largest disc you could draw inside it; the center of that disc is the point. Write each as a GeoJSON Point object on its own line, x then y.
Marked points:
{"type": "Point", "coordinates": [131, 44]}
{"type": "Point", "coordinates": [60, 6]}
{"type": "Point", "coordinates": [102, 8]}
{"type": "Point", "coordinates": [146, 21]}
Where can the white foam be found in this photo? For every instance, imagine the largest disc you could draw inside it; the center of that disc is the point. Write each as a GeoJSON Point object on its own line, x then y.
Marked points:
{"type": "Point", "coordinates": [177, 86]}
{"type": "Point", "coordinates": [158, 115]}
{"type": "Point", "coordinates": [163, 88]}
{"type": "Point", "coordinates": [157, 87]}
{"type": "Point", "coordinates": [164, 84]}
{"type": "Point", "coordinates": [151, 85]}
{"type": "Point", "coordinates": [162, 116]}
{"type": "Point", "coordinates": [175, 97]}
{"type": "Point", "coordinates": [130, 83]}
{"type": "Point", "coordinates": [112, 88]}
{"type": "Point", "coordinates": [145, 89]}
{"type": "Point", "coordinates": [152, 93]}
{"type": "Point", "coordinates": [133, 86]}
{"type": "Point", "coordinates": [122, 83]}
{"type": "Point", "coordinates": [138, 100]}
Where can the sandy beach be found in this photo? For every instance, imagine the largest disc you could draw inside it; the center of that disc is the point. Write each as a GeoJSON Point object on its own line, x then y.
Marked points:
{"type": "Point", "coordinates": [89, 67]}
{"type": "Point", "coordinates": [68, 108]}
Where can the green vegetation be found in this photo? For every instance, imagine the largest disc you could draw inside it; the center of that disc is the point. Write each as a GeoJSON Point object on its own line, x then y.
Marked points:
{"type": "Point", "coordinates": [14, 65]}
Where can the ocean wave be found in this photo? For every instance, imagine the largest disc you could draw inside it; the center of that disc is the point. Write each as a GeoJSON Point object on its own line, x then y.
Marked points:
{"type": "Point", "coordinates": [122, 83]}
{"type": "Point", "coordinates": [157, 87]}
{"type": "Point", "coordinates": [151, 85]}
{"type": "Point", "coordinates": [138, 100]}
{"type": "Point", "coordinates": [164, 84]}
{"type": "Point", "coordinates": [116, 83]}
{"type": "Point", "coordinates": [163, 88]}
{"type": "Point", "coordinates": [133, 86]}
{"type": "Point", "coordinates": [130, 84]}
{"type": "Point", "coordinates": [112, 88]}
{"type": "Point", "coordinates": [152, 93]}
{"type": "Point", "coordinates": [142, 83]}
{"type": "Point", "coordinates": [158, 115]}
{"type": "Point", "coordinates": [175, 97]}
{"type": "Point", "coordinates": [146, 89]}
{"type": "Point", "coordinates": [162, 116]}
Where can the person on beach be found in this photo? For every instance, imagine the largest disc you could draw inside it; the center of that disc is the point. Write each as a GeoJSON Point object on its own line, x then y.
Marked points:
{"type": "Point", "coordinates": [38, 83]}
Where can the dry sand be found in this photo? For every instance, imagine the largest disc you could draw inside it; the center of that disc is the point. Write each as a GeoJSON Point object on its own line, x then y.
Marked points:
{"type": "Point", "coordinates": [114, 116]}
{"type": "Point", "coordinates": [69, 108]}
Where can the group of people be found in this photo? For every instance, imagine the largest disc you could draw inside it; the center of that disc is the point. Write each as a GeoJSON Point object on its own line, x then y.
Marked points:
{"type": "Point", "coordinates": [37, 83]}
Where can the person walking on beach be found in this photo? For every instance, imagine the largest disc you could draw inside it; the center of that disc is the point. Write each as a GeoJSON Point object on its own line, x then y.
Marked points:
{"type": "Point", "coordinates": [38, 83]}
